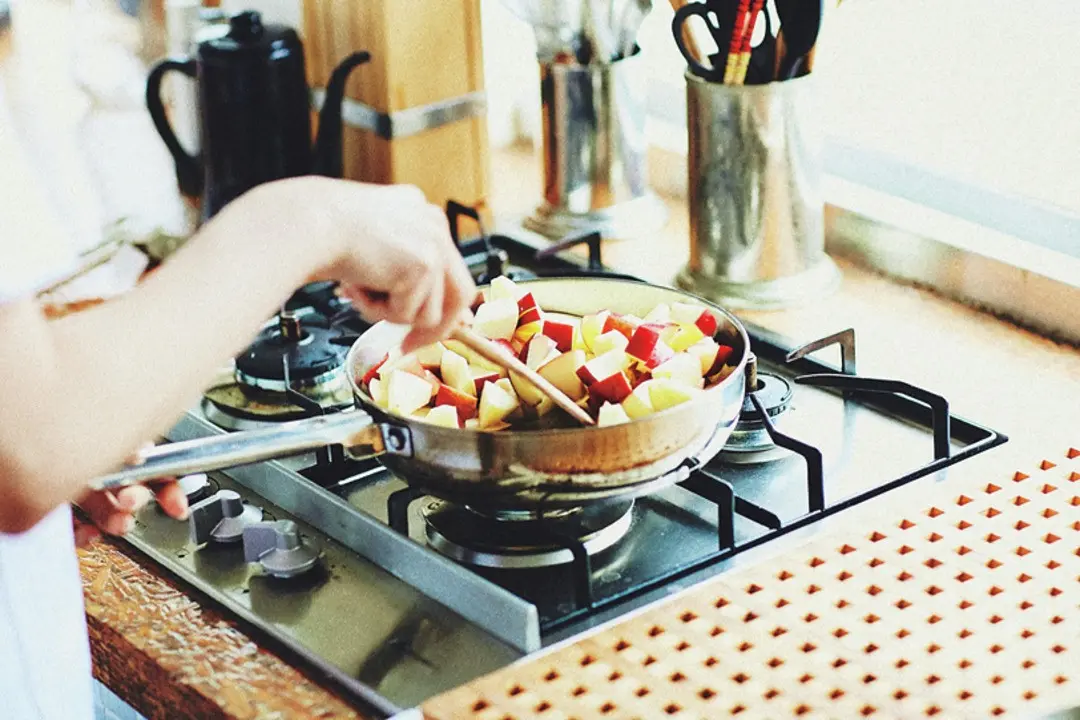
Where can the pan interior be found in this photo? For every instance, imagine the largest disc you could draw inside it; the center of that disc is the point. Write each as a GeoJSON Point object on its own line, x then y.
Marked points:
{"type": "Point", "coordinates": [574, 297]}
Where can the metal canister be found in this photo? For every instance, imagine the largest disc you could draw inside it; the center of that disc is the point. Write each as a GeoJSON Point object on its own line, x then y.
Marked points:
{"type": "Point", "coordinates": [593, 149]}
{"type": "Point", "coordinates": [755, 196]}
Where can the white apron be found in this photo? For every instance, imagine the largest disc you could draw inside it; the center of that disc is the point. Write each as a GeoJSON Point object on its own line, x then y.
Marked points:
{"type": "Point", "coordinates": [44, 652]}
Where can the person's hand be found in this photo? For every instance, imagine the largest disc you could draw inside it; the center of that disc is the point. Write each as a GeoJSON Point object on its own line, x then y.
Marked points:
{"type": "Point", "coordinates": [390, 249]}
{"type": "Point", "coordinates": [113, 512]}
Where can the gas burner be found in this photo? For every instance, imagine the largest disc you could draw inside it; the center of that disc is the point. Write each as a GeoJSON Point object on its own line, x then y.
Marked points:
{"type": "Point", "coordinates": [522, 539]}
{"type": "Point", "coordinates": [312, 356]}
{"type": "Point", "coordinates": [257, 393]}
{"type": "Point", "coordinates": [750, 441]}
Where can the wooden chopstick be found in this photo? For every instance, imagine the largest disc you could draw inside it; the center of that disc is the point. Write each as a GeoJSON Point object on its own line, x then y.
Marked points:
{"type": "Point", "coordinates": [498, 355]}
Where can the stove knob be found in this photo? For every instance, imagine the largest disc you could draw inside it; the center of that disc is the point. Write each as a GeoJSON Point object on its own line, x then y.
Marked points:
{"type": "Point", "coordinates": [195, 487]}
{"type": "Point", "coordinates": [278, 547]}
{"type": "Point", "coordinates": [222, 518]}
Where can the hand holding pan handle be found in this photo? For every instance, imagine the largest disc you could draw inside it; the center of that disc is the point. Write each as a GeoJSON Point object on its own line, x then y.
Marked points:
{"type": "Point", "coordinates": [354, 429]}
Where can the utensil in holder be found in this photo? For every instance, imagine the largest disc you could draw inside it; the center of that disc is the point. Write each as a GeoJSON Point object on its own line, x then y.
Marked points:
{"type": "Point", "coordinates": [593, 150]}
{"type": "Point", "coordinates": [755, 201]}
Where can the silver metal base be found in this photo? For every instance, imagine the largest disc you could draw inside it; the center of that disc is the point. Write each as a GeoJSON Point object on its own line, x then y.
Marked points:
{"type": "Point", "coordinates": [820, 280]}
{"type": "Point", "coordinates": [627, 220]}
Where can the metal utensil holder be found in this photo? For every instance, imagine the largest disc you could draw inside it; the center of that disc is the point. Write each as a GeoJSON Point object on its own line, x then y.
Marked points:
{"type": "Point", "coordinates": [593, 150]}
{"type": "Point", "coordinates": [755, 201]}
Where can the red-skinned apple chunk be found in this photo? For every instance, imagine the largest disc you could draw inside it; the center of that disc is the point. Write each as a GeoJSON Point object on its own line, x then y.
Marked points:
{"type": "Point", "coordinates": [646, 346]}
{"type": "Point", "coordinates": [613, 389]}
{"type": "Point", "coordinates": [464, 404]}
{"type": "Point", "coordinates": [626, 324]}
{"type": "Point", "coordinates": [561, 332]}
{"type": "Point", "coordinates": [601, 366]}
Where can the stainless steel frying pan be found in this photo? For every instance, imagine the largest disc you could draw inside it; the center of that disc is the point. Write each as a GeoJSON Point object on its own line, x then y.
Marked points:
{"type": "Point", "coordinates": [504, 470]}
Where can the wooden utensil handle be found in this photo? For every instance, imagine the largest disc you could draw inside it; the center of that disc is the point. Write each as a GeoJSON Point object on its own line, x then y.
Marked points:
{"type": "Point", "coordinates": [498, 355]}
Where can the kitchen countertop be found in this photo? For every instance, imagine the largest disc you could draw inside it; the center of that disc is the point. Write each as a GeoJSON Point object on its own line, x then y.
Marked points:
{"type": "Point", "coordinates": [196, 660]}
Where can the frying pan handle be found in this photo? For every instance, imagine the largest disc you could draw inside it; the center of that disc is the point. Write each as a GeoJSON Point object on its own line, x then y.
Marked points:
{"type": "Point", "coordinates": [351, 429]}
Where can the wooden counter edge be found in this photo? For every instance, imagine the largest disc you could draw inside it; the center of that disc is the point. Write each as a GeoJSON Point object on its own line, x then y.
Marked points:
{"type": "Point", "coordinates": [169, 655]}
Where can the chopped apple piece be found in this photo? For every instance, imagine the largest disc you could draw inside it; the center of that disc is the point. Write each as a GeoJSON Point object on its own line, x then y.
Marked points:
{"type": "Point", "coordinates": [430, 356]}
{"type": "Point", "coordinates": [473, 358]}
{"type": "Point", "coordinates": [444, 415]}
{"type": "Point", "coordinates": [685, 336]}
{"type": "Point", "coordinates": [626, 324]}
{"type": "Point", "coordinates": [526, 302]}
{"type": "Point", "coordinates": [591, 327]}
{"type": "Point", "coordinates": [406, 392]}
{"type": "Point", "coordinates": [508, 345]}
{"type": "Point", "coordinates": [374, 370]}
{"type": "Point", "coordinates": [526, 331]}
{"type": "Point", "coordinates": [613, 388]}
{"type": "Point", "coordinates": [456, 373]}
{"type": "Point", "coordinates": [495, 404]}
{"type": "Point", "coordinates": [665, 393]}
{"type": "Point", "coordinates": [481, 376]}
{"type": "Point", "coordinates": [684, 368]}
{"type": "Point", "coordinates": [561, 332]}
{"type": "Point", "coordinates": [611, 415]}
{"type": "Point", "coordinates": [532, 315]}
{"type": "Point", "coordinates": [562, 373]}
{"type": "Point", "coordinates": [528, 393]}
{"type": "Point", "coordinates": [659, 314]}
{"type": "Point", "coordinates": [705, 351]}
{"type": "Point", "coordinates": [503, 288]}
{"type": "Point", "coordinates": [667, 331]}
{"type": "Point", "coordinates": [399, 363]}
{"type": "Point", "coordinates": [646, 346]}
{"type": "Point", "coordinates": [601, 366]}
{"type": "Point", "coordinates": [578, 343]}
{"type": "Point", "coordinates": [497, 319]}
{"type": "Point", "coordinates": [472, 424]}
{"type": "Point", "coordinates": [464, 404]}
{"type": "Point", "coordinates": [711, 355]}
{"type": "Point", "coordinates": [611, 340]}
{"type": "Point", "coordinates": [506, 385]}
{"type": "Point", "coordinates": [638, 403]}
{"type": "Point", "coordinates": [421, 414]}
{"type": "Point", "coordinates": [377, 391]}
{"type": "Point", "coordinates": [687, 314]}
{"type": "Point", "coordinates": [541, 349]}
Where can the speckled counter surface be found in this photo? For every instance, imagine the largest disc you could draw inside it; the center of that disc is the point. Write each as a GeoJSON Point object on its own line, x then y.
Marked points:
{"type": "Point", "coordinates": [168, 656]}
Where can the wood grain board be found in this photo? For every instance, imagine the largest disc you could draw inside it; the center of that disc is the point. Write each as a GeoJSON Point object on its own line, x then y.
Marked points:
{"type": "Point", "coordinates": [421, 53]}
{"type": "Point", "coordinates": [963, 605]}
{"type": "Point", "coordinates": [170, 656]}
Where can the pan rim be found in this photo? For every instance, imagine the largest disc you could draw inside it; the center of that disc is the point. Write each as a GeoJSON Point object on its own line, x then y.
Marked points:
{"type": "Point", "coordinates": [369, 406]}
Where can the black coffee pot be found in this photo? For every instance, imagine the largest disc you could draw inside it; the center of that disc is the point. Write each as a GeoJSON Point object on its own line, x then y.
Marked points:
{"type": "Point", "coordinates": [254, 112]}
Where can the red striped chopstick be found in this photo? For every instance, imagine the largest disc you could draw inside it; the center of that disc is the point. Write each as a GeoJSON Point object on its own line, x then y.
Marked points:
{"type": "Point", "coordinates": [743, 63]}
{"type": "Point", "coordinates": [737, 32]}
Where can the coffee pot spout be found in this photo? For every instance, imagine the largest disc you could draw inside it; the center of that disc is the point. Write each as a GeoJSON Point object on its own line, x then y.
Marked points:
{"type": "Point", "coordinates": [327, 153]}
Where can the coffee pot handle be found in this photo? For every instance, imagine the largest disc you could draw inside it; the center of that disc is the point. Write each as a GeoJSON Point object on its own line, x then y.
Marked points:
{"type": "Point", "coordinates": [189, 174]}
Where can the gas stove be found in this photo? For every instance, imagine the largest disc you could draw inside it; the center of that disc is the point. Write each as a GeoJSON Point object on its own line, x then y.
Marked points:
{"type": "Point", "coordinates": [393, 596]}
